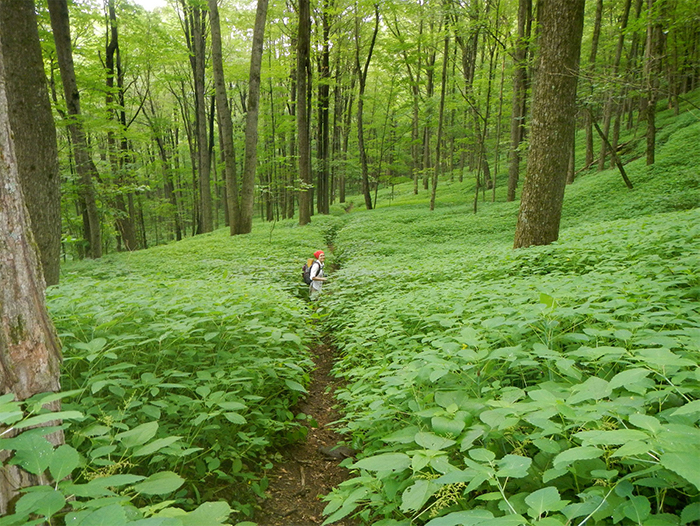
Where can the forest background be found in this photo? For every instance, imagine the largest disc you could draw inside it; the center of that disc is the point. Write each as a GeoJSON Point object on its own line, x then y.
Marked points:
{"type": "Point", "coordinates": [609, 321]}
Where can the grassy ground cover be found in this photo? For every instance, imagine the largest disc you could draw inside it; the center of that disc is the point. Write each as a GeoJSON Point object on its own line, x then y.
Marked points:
{"type": "Point", "coordinates": [181, 367]}
{"type": "Point", "coordinates": [553, 385]}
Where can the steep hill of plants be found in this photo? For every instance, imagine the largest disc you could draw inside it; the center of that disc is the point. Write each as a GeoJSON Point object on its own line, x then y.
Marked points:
{"type": "Point", "coordinates": [553, 385]}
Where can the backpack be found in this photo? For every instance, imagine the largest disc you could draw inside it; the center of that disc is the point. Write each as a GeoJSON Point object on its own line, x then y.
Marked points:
{"type": "Point", "coordinates": [306, 271]}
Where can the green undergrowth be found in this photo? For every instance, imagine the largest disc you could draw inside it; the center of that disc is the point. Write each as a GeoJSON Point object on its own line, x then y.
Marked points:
{"type": "Point", "coordinates": [555, 385]}
{"type": "Point", "coordinates": [182, 366]}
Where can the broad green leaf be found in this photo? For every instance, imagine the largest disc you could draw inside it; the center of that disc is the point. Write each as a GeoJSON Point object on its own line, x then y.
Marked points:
{"type": "Point", "coordinates": [628, 378]}
{"type": "Point", "coordinates": [44, 503]}
{"type": "Point", "coordinates": [637, 509]}
{"type": "Point", "coordinates": [32, 452]}
{"type": "Point", "coordinates": [647, 422]}
{"type": "Point", "coordinates": [482, 455]}
{"type": "Point", "coordinates": [447, 426]}
{"type": "Point", "coordinates": [114, 515]}
{"type": "Point", "coordinates": [63, 461]}
{"type": "Point", "coordinates": [663, 358]}
{"type": "Point", "coordinates": [432, 441]}
{"type": "Point", "coordinates": [513, 466]}
{"type": "Point", "coordinates": [208, 514]}
{"type": "Point", "coordinates": [232, 406]}
{"type": "Point", "coordinates": [687, 409]}
{"type": "Point", "coordinates": [543, 500]}
{"type": "Point", "coordinates": [611, 438]}
{"type": "Point", "coordinates": [415, 496]}
{"type": "Point", "coordinates": [48, 417]}
{"type": "Point", "coordinates": [154, 446]}
{"type": "Point", "coordinates": [573, 454]}
{"type": "Point", "coordinates": [691, 513]}
{"type": "Point", "coordinates": [462, 518]}
{"type": "Point", "coordinates": [114, 481]}
{"type": "Point", "coordinates": [592, 389]}
{"type": "Point", "coordinates": [235, 418]}
{"type": "Point", "coordinates": [139, 435]}
{"type": "Point", "coordinates": [160, 483]}
{"type": "Point", "coordinates": [632, 448]}
{"type": "Point", "coordinates": [686, 465]}
{"type": "Point", "coordinates": [295, 386]}
{"type": "Point", "coordinates": [384, 462]}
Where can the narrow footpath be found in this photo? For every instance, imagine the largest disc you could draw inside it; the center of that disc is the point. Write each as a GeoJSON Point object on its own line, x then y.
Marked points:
{"type": "Point", "coordinates": [310, 468]}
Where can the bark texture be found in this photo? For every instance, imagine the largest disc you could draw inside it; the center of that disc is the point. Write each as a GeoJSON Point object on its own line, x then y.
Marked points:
{"type": "Point", "coordinates": [225, 122]}
{"type": "Point", "coordinates": [251, 124]}
{"type": "Point", "coordinates": [553, 122]}
{"type": "Point", "coordinates": [30, 355]}
{"type": "Point", "coordinates": [303, 45]}
{"type": "Point", "coordinates": [33, 128]}
{"type": "Point", "coordinates": [87, 171]}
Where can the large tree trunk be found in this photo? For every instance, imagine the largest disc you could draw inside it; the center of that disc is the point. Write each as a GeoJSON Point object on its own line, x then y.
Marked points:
{"type": "Point", "coordinates": [553, 122]}
{"type": "Point", "coordinates": [302, 71]}
{"type": "Point", "coordinates": [225, 122]}
{"type": "Point", "coordinates": [517, 122]}
{"type": "Point", "coordinates": [30, 355]}
{"type": "Point", "coordinates": [251, 123]}
{"type": "Point", "coordinates": [60, 24]}
{"type": "Point", "coordinates": [33, 128]}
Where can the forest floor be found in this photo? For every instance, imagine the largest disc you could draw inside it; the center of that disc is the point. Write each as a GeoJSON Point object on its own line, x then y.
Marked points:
{"type": "Point", "coordinates": [309, 469]}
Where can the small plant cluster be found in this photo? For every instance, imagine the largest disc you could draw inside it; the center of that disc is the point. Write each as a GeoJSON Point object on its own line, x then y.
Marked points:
{"type": "Point", "coordinates": [552, 386]}
{"type": "Point", "coordinates": [180, 375]}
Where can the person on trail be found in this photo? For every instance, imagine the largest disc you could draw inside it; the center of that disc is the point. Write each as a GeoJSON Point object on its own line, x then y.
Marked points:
{"type": "Point", "coordinates": [316, 275]}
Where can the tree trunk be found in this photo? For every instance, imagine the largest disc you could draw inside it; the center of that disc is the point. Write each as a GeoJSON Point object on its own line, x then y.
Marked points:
{"type": "Point", "coordinates": [362, 77]}
{"type": "Point", "coordinates": [30, 354]}
{"type": "Point", "coordinates": [194, 20]}
{"type": "Point", "coordinates": [610, 102]}
{"type": "Point", "coordinates": [553, 122]}
{"type": "Point", "coordinates": [251, 124]}
{"type": "Point", "coordinates": [517, 122]}
{"type": "Point", "coordinates": [60, 24]}
{"type": "Point", "coordinates": [323, 179]}
{"type": "Point", "coordinates": [441, 114]}
{"type": "Point", "coordinates": [591, 68]}
{"type": "Point", "coordinates": [652, 69]}
{"type": "Point", "coordinates": [225, 122]}
{"type": "Point", "coordinates": [33, 128]}
{"type": "Point", "coordinates": [303, 50]}
{"type": "Point", "coordinates": [124, 221]}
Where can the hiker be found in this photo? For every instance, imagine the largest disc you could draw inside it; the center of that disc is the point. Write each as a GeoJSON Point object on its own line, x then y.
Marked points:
{"type": "Point", "coordinates": [316, 275]}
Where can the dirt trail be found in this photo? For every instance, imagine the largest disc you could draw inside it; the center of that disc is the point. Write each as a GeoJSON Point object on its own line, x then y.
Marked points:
{"type": "Point", "coordinates": [306, 474]}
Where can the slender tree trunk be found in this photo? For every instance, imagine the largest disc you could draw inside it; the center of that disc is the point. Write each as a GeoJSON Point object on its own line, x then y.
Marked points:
{"type": "Point", "coordinates": [441, 113]}
{"type": "Point", "coordinates": [124, 221]}
{"type": "Point", "coordinates": [225, 123]}
{"type": "Point", "coordinates": [251, 125]}
{"type": "Point", "coordinates": [590, 71]}
{"type": "Point", "coordinates": [553, 121]}
{"type": "Point", "coordinates": [60, 24]}
{"type": "Point", "coordinates": [33, 128]}
{"type": "Point", "coordinates": [30, 354]}
{"type": "Point", "coordinates": [362, 77]}
{"type": "Point", "coordinates": [652, 69]}
{"type": "Point", "coordinates": [323, 180]}
{"type": "Point", "coordinates": [610, 102]}
{"type": "Point", "coordinates": [194, 25]}
{"type": "Point", "coordinates": [303, 50]}
{"type": "Point", "coordinates": [517, 122]}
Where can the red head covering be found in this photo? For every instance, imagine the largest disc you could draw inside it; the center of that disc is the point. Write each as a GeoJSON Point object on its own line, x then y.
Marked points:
{"type": "Point", "coordinates": [318, 254]}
